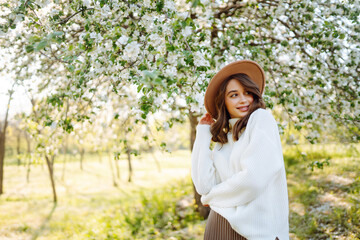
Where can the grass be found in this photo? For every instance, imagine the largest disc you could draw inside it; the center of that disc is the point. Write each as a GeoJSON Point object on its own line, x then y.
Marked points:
{"type": "Point", "coordinates": [324, 203]}
{"type": "Point", "coordinates": [156, 205]}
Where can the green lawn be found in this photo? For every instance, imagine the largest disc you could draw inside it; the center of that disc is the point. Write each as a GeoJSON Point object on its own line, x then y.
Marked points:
{"type": "Point", "coordinates": [157, 204]}
{"type": "Point", "coordinates": [324, 203]}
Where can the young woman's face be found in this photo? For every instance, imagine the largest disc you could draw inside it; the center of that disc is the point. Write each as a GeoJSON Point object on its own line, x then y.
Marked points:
{"type": "Point", "coordinates": [237, 99]}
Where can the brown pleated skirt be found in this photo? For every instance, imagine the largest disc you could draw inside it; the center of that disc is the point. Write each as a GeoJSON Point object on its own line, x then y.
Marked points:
{"type": "Point", "coordinates": [218, 228]}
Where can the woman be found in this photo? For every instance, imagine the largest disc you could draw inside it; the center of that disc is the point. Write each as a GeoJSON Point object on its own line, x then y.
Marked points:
{"type": "Point", "coordinates": [243, 178]}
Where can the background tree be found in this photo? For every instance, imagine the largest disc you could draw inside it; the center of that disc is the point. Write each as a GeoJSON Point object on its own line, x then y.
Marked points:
{"type": "Point", "coordinates": [169, 50]}
{"type": "Point", "coordinates": [3, 128]}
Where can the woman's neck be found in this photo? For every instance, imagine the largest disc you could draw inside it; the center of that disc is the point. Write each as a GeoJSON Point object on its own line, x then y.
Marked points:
{"type": "Point", "coordinates": [232, 121]}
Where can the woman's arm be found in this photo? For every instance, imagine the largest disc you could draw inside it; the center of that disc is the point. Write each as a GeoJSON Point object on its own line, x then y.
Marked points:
{"type": "Point", "coordinates": [261, 162]}
{"type": "Point", "coordinates": [202, 166]}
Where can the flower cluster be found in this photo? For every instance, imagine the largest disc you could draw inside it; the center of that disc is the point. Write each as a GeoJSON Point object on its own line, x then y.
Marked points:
{"type": "Point", "coordinates": [170, 50]}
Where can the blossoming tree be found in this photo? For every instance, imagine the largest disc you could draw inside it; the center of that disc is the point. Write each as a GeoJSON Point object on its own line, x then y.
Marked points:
{"type": "Point", "coordinates": [170, 49]}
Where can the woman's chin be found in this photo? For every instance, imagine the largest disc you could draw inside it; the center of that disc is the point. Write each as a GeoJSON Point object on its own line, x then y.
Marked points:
{"type": "Point", "coordinates": [239, 114]}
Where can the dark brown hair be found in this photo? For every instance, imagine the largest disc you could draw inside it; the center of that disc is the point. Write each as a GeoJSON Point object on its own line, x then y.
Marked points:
{"type": "Point", "coordinates": [220, 128]}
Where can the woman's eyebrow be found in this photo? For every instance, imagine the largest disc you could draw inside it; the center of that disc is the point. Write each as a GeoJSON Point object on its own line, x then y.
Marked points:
{"type": "Point", "coordinates": [231, 91]}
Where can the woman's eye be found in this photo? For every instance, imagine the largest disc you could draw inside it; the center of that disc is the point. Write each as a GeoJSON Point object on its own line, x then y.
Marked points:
{"type": "Point", "coordinates": [234, 95]}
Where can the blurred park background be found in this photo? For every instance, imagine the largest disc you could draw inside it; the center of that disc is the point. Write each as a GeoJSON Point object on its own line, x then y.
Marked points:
{"type": "Point", "coordinates": [99, 102]}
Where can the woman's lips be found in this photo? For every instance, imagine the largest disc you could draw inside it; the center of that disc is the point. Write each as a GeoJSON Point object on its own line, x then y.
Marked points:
{"type": "Point", "coordinates": [243, 109]}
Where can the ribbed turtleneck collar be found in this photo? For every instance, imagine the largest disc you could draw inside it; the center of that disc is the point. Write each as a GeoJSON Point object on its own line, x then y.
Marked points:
{"type": "Point", "coordinates": [232, 121]}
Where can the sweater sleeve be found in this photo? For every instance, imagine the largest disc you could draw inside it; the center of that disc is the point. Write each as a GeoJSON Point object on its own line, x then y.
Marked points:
{"type": "Point", "coordinates": [261, 161]}
{"type": "Point", "coordinates": [202, 166]}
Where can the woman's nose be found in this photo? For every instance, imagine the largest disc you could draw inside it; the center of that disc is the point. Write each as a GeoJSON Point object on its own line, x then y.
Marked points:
{"type": "Point", "coordinates": [242, 98]}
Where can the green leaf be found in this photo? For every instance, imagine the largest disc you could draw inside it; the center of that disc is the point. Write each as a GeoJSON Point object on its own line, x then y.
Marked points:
{"type": "Point", "coordinates": [41, 45]}
{"type": "Point", "coordinates": [34, 39]}
{"type": "Point", "coordinates": [142, 67]}
{"type": "Point", "coordinates": [29, 48]}
{"type": "Point", "coordinates": [71, 68]}
{"type": "Point", "coordinates": [268, 52]}
{"type": "Point", "coordinates": [170, 47]}
{"type": "Point", "coordinates": [159, 5]}
{"type": "Point", "coordinates": [58, 33]}
{"type": "Point", "coordinates": [48, 121]}
{"type": "Point", "coordinates": [195, 3]}
{"type": "Point", "coordinates": [103, 2]}
{"type": "Point", "coordinates": [67, 125]}
{"type": "Point", "coordinates": [284, 43]}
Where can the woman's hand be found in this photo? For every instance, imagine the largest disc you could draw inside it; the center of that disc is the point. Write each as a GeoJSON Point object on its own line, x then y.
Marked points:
{"type": "Point", "coordinates": [206, 119]}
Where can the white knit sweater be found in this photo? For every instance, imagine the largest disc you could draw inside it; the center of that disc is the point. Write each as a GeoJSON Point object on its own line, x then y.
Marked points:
{"type": "Point", "coordinates": [245, 181]}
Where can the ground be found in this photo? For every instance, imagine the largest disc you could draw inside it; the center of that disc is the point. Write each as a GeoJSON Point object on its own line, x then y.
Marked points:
{"type": "Point", "coordinates": [324, 203]}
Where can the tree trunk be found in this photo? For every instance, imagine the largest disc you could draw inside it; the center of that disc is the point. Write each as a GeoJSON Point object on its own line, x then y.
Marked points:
{"type": "Point", "coordinates": [2, 157]}
{"type": "Point", "coordinates": [65, 149]}
{"type": "Point", "coordinates": [3, 140]}
{"type": "Point", "coordinates": [204, 211]}
{"type": "Point", "coordinates": [50, 165]}
{"type": "Point", "coordinates": [28, 168]}
{"type": "Point", "coordinates": [151, 150]}
{"type": "Point", "coordinates": [116, 162]}
{"type": "Point", "coordinates": [18, 145]}
{"type": "Point", "coordinates": [128, 153]}
{"type": "Point", "coordinates": [112, 170]}
{"type": "Point", "coordinates": [82, 152]}
{"type": "Point", "coordinates": [28, 157]}
{"type": "Point", "coordinates": [156, 161]}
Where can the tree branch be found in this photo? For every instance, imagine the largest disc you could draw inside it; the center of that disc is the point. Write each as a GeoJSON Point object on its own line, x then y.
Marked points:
{"type": "Point", "coordinates": [230, 9]}
{"type": "Point", "coordinates": [65, 20]}
{"type": "Point", "coordinates": [53, 55]}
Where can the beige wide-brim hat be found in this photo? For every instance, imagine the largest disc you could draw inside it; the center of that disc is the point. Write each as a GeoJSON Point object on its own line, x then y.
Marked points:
{"type": "Point", "coordinates": [248, 67]}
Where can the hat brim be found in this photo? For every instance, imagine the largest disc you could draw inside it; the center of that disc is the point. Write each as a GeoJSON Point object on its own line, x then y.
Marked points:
{"type": "Point", "coordinates": [248, 67]}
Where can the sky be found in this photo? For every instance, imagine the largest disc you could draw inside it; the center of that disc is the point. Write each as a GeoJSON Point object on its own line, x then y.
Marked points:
{"type": "Point", "coordinates": [19, 103]}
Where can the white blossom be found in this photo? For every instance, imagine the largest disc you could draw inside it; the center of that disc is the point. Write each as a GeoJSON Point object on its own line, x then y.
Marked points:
{"type": "Point", "coordinates": [171, 71]}
{"type": "Point", "coordinates": [205, 2]}
{"type": "Point", "coordinates": [122, 40]}
{"type": "Point", "coordinates": [97, 36]}
{"type": "Point", "coordinates": [155, 39]}
{"type": "Point", "coordinates": [187, 31]}
{"type": "Point", "coordinates": [147, 3]}
{"type": "Point", "coordinates": [147, 21]}
{"type": "Point", "coordinates": [199, 97]}
{"type": "Point", "coordinates": [172, 58]}
{"type": "Point", "coordinates": [183, 15]}
{"type": "Point", "coordinates": [166, 126]}
{"type": "Point", "coordinates": [161, 49]}
{"type": "Point", "coordinates": [87, 3]}
{"type": "Point", "coordinates": [53, 125]}
{"type": "Point", "coordinates": [54, 12]}
{"type": "Point", "coordinates": [136, 33]}
{"type": "Point", "coordinates": [170, 5]}
{"type": "Point", "coordinates": [199, 60]}
{"type": "Point", "coordinates": [105, 11]}
{"type": "Point", "coordinates": [159, 100]}
{"type": "Point", "coordinates": [75, 27]}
